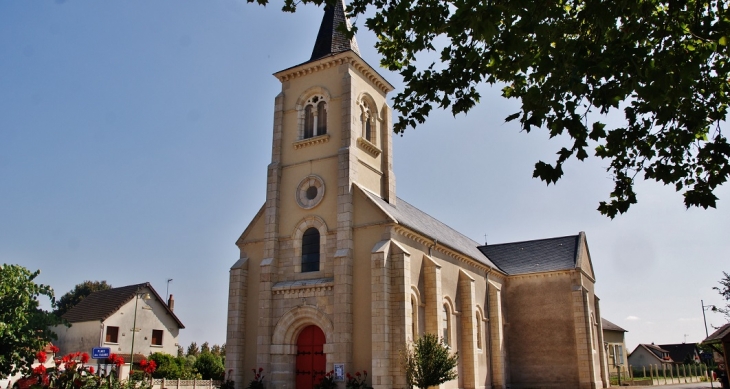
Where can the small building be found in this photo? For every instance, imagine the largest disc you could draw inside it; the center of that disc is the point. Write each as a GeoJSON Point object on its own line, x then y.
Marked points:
{"type": "Point", "coordinates": [720, 342]}
{"type": "Point", "coordinates": [645, 355]}
{"type": "Point", "coordinates": [683, 353]}
{"type": "Point", "coordinates": [111, 318]}
{"type": "Point", "coordinates": [615, 344]}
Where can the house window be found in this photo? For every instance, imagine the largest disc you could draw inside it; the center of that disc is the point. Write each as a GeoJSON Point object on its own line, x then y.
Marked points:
{"type": "Point", "coordinates": [618, 355]}
{"type": "Point", "coordinates": [315, 117]}
{"type": "Point", "coordinates": [310, 250]}
{"type": "Point", "coordinates": [156, 338]}
{"type": "Point", "coordinates": [112, 335]}
{"type": "Point", "coordinates": [446, 326]}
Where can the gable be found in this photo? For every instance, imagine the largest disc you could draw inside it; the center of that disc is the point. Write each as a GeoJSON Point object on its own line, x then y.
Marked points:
{"type": "Point", "coordinates": [365, 212]}
{"type": "Point", "coordinates": [583, 260]}
{"type": "Point", "coordinates": [255, 229]}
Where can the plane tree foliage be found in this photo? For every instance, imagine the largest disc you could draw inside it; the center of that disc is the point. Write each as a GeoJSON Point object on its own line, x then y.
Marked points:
{"type": "Point", "coordinates": [724, 291]}
{"type": "Point", "coordinates": [24, 326]}
{"type": "Point", "coordinates": [662, 63]}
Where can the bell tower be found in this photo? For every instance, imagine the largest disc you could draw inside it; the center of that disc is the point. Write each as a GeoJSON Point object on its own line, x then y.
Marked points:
{"type": "Point", "coordinates": [332, 128]}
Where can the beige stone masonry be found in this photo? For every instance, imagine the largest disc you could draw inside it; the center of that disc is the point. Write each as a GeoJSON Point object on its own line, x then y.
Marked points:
{"type": "Point", "coordinates": [497, 337]}
{"type": "Point", "coordinates": [434, 296]}
{"type": "Point", "coordinates": [468, 352]}
{"type": "Point", "coordinates": [235, 336]}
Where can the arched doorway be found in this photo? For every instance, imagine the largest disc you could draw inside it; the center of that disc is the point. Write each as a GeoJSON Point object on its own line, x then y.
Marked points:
{"type": "Point", "coordinates": [311, 361]}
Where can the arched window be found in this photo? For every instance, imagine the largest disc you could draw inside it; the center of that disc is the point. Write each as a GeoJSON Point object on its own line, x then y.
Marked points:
{"type": "Point", "coordinates": [321, 118]}
{"type": "Point", "coordinates": [308, 122]}
{"type": "Point", "coordinates": [310, 250]}
{"type": "Point", "coordinates": [315, 117]}
{"type": "Point", "coordinates": [414, 318]}
{"type": "Point", "coordinates": [367, 118]}
{"type": "Point", "coordinates": [446, 326]}
{"type": "Point", "coordinates": [479, 330]}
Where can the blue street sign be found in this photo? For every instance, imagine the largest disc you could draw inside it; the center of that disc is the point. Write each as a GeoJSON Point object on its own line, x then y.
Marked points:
{"type": "Point", "coordinates": [100, 352]}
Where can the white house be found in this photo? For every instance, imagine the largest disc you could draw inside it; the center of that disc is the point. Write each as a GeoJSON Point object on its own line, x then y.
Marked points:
{"type": "Point", "coordinates": [111, 318]}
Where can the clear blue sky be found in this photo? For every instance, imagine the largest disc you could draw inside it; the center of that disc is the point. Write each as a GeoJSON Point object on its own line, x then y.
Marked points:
{"type": "Point", "coordinates": [135, 135]}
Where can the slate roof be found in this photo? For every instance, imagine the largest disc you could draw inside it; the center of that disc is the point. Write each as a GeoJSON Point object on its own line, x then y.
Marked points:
{"type": "Point", "coordinates": [607, 325]}
{"type": "Point", "coordinates": [534, 256]}
{"type": "Point", "coordinates": [330, 40]}
{"type": "Point", "coordinates": [102, 304]}
{"type": "Point", "coordinates": [412, 217]}
{"type": "Point", "coordinates": [717, 336]}
{"type": "Point", "coordinates": [678, 352]}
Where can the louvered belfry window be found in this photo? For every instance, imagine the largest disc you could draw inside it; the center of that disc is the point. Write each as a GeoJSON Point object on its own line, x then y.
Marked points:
{"type": "Point", "coordinates": [310, 250]}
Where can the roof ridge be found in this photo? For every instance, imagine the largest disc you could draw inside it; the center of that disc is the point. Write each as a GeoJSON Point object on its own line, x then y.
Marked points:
{"type": "Point", "coordinates": [533, 240]}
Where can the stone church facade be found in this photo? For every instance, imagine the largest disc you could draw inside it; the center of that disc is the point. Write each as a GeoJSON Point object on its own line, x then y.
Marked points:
{"type": "Point", "coordinates": [335, 269]}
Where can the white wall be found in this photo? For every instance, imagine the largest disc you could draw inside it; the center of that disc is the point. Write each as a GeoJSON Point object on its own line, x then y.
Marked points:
{"type": "Point", "coordinates": [151, 315]}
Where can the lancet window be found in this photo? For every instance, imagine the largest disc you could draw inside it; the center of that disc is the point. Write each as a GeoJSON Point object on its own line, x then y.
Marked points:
{"type": "Point", "coordinates": [315, 117]}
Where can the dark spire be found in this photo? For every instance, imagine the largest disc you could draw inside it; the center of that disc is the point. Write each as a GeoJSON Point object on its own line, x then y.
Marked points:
{"type": "Point", "coordinates": [329, 39]}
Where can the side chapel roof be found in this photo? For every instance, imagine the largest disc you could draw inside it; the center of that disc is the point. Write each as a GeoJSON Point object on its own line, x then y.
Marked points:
{"type": "Point", "coordinates": [101, 304]}
{"type": "Point", "coordinates": [534, 256]}
{"type": "Point", "coordinates": [330, 40]}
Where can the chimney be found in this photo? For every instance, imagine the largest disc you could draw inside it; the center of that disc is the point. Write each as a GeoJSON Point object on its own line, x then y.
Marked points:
{"type": "Point", "coordinates": [171, 303]}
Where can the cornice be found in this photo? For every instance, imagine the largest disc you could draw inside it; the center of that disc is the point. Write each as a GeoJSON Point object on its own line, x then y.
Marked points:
{"type": "Point", "coordinates": [368, 147]}
{"type": "Point", "coordinates": [347, 57]}
{"type": "Point", "coordinates": [542, 274]}
{"type": "Point", "coordinates": [311, 141]}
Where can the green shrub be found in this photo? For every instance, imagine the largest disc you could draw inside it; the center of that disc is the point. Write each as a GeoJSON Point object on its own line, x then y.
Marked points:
{"type": "Point", "coordinates": [209, 366]}
{"type": "Point", "coordinates": [429, 362]}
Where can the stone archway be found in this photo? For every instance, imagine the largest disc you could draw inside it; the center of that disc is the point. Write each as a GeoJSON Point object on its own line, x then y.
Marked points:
{"type": "Point", "coordinates": [285, 338]}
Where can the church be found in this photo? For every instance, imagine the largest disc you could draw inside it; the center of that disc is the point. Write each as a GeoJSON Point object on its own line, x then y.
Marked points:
{"type": "Point", "coordinates": [338, 273]}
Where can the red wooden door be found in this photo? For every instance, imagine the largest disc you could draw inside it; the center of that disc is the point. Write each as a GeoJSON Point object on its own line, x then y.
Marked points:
{"type": "Point", "coordinates": [311, 361]}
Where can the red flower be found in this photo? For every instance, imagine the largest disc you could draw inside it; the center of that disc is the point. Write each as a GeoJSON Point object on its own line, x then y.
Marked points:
{"type": "Point", "coordinates": [55, 349]}
{"type": "Point", "coordinates": [39, 370]}
{"type": "Point", "coordinates": [57, 362]}
{"type": "Point", "coordinates": [365, 371]}
{"type": "Point", "coordinates": [151, 367]}
{"type": "Point", "coordinates": [84, 358]}
{"type": "Point", "coordinates": [261, 369]}
{"type": "Point", "coordinates": [357, 374]}
{"type": "Point", "coordinates": [40, 356]}
{"type": "Point", "coordinates": [91, 369]}
{"type": "Point", "coordinates": [143, 363]}
{"type": "Point", "coordinates": [349, 376]}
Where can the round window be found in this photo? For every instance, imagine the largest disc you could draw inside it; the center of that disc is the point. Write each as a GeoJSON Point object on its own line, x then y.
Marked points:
{"type": "Point", "coordinates": [310, 192]}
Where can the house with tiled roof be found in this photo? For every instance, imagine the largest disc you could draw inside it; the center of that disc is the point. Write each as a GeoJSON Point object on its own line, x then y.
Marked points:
{"type": "Point", "coordinates": [338, 273]}
{"type": "Point", "coordinates": [125, 318]}
{"type": "Point", "coordinates": [615, 342]}
{"type": "Point", "coordinates": [683, 353]}
{"type": "Point", "coordinates": [645, 355]}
